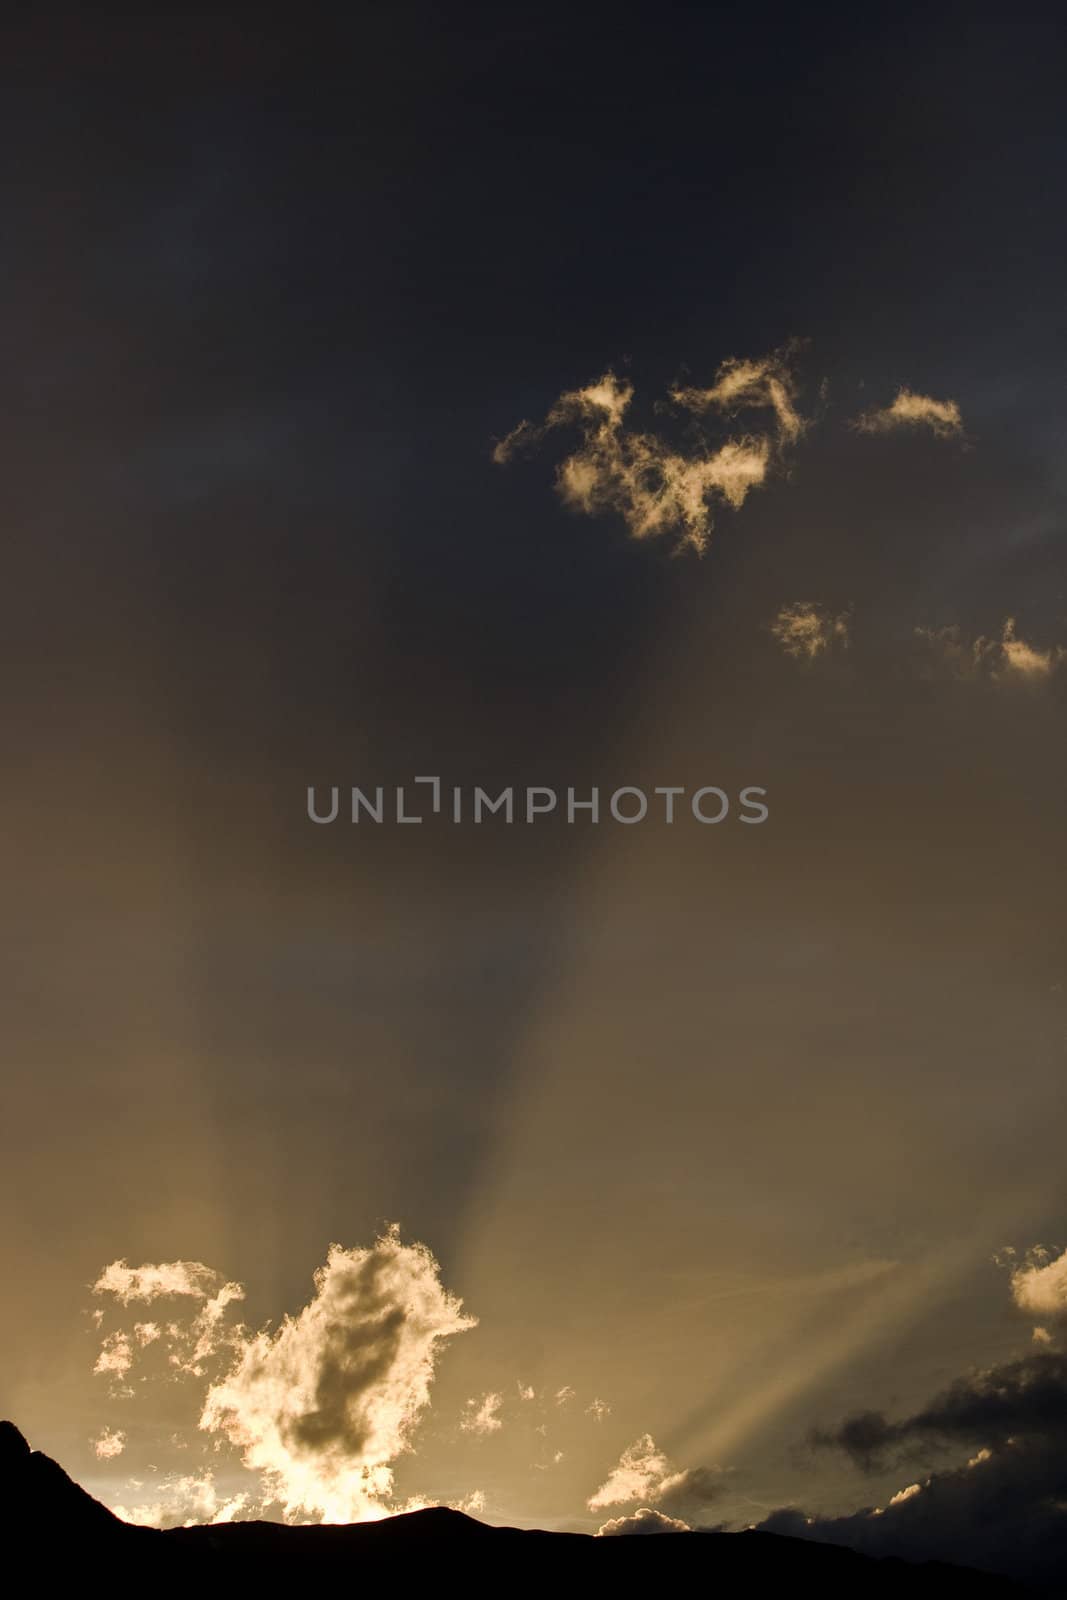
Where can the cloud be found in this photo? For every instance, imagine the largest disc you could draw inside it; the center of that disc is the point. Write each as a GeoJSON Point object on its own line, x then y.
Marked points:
{"type": "Point", "coordinates": [109, 1444]}
{"type": "Point", "coordinates": [1014, 655]}
{"type": "Point", "coordinates": [806, 630]}
{"type": "Point", "coordinates": [323, 1406]}
{"type": "Point", "coordinates": [741, 385]}
{"type": "Point", "coordinates": [565, 1395]}
{"type": "Point", "coordinates": [481, 1416]}
{"type": "Point", "coordinates": [656, 488]}
{"type": "Point", "coordinates": [207, 1334]}
{"type": "Point", "coordinates": [155, 1282]}
{"type": "Point", "coordinates": [641, 1469]}
{"type": "Point", "coordinates": [1003, 1507]}
{"type": "Point", "coordinates": [189, 1342]}
{"type": "Point", "coordinates": [1024, 1397]}
{"type": "Point", "coordinates": [186, 1502]}
{"type": "Point", "coordinates": [598, 1410]}
{"type": "Point", "coordinates": [116, 1356]}
{"type": "Point", "coordinates": [910, 410]}
{"type": "Point", "coordinates": [1039, 1287]}
{"type": "Point", "coordinates": [646, 1520]}
{"type": "Point", "coordinates": [1006, 658]}
{"type": "Point", "coordinates": [645, 1473]}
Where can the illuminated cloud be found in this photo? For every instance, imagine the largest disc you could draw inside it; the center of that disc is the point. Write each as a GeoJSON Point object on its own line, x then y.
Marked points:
{"type": "Point", "coordinates": [473, 1504]}
{"type": "Point", "coordinates": [1004, 659]}
{"type": "Point", "coordinates": [656, 488]}
{"type": "Point", "coordinates": [598, 1410]}
{"type": "Point", "coordinates": [482, 1416]}
{"type": "Point", "coordinates": [646, 1520]}
{"type": "Point", "coordinates": [910, 410]}
{"type": "Point", "coordinates": [190, 1342]}
{"type": "Point", "coordinates": [746, 385]}
{"type": "Point", "coordinates": [1039, 1287]}
{"type": "Point", "coordinates": [641, 1471]}
{"type": "Point", "coordinates": [565, 1395]}
{"type": "Point", "coordinates": [322, 1407]}
{"type": "Point", "coordinates": [207, 1333]}
{"type": "Point", "coordinates": [1016, 656]}
{"type": "Point", "coordinates": [155, 1282]}
{"type": "Point", "coordinates": [645, 1473]}
{"type": "Point", "coordinates": [109, 1444]}
{"type": "Point", "coordinates": [115, 1358]}
{"type": "Point", "coordinates": [186, 1502]}
{"type": "Point", "coordinates": [806, 630]}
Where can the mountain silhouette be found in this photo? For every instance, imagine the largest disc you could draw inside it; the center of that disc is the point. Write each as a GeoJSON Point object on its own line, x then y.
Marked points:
{"type": "Point", "coordinates": [50, 1522]}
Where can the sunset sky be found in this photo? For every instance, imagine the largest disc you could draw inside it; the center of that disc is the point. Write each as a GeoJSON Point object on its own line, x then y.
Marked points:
{"type": "Point", "coordinates": [662, 397]}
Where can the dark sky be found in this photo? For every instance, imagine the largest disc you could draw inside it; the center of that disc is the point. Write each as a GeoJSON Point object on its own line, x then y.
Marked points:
{"type": "Point", "coordinates": [272, 291]}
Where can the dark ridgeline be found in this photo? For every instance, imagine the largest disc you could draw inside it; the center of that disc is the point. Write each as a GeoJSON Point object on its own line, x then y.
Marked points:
{"type": "Point", "coordinates": [53, 1529]}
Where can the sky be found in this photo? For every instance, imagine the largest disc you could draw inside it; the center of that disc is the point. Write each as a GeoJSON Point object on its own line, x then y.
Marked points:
{"type": "Point", "coordinates": [668, 401]}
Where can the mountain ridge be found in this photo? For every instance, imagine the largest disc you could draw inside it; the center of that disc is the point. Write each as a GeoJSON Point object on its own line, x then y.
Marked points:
{"type": "Point", "coordinates": [67, 1532]}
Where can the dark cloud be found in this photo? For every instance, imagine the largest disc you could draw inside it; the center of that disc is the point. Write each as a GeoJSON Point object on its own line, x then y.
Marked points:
{"type": "Point", "coordinates": [688, 1493]}
{"type": "Point", "coordinates": [1004, 1508]}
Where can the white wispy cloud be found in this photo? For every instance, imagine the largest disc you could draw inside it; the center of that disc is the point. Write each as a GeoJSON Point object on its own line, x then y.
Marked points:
{"type": "Point", "coordinates": [911, 410]}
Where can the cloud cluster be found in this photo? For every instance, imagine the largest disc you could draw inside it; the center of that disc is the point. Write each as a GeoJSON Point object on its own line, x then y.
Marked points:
{"type": "Point", "coordinates": [185, 1501]}
{"type": "Point", "coordinates": [1005, 658]}
{"type": "Point", "coordinates": [669, 481]}
{"type": "Point", "coordinates": [643, 1472]}
{"type": "Point", "coordinates": [324, 1405]}
{"type": "Point", "coordinates": [189, 1341]}
{"type": "Point", "coordinates": [806, 630]}
{"type": "Point", "coordinates": [644, 1520]}
{"type": "Point", "coordinates": [910, 410]}
{"type": "Point", "coordinates": [657, 488]}
{"type": "Point", "coordinates": [318, 1408]}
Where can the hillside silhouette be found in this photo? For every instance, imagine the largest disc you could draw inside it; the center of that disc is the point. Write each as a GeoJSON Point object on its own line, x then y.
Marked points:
{"type": "Point", "coordinates": [52, 1523]}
